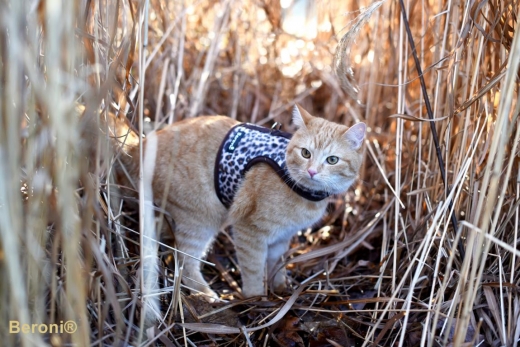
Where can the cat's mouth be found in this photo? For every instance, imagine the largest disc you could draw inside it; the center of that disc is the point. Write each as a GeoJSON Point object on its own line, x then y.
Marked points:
{"type": "Point", "coordinates": [320, 183]}
{"type": "Point", "coordinates": [314, 182]}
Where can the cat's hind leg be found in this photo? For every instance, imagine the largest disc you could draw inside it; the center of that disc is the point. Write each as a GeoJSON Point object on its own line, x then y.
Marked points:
{"type": "Point", "coordinates": [195, 240]}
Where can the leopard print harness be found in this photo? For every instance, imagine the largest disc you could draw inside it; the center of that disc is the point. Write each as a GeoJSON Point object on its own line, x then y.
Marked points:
{"type": "Point", "coordinates": [246, 145]}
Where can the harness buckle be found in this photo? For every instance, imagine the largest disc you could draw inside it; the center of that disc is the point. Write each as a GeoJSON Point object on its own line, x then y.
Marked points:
{"type": "Point", "coordinates": [275, 125]}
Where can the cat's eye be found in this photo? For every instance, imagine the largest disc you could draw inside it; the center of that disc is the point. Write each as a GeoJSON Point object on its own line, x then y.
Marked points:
{"type": "Point", "coordinates": [332, 159]}
{"type": "Point", "coordinates": [305, 153]}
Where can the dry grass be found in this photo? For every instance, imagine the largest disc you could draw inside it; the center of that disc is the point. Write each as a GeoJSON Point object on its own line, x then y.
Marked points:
{"type": "Point", "coordinates": [384, 267]}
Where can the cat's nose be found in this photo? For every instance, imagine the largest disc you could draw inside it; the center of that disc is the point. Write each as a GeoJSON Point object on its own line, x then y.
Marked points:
{"type": "Point", "coordinates": [312, 172]}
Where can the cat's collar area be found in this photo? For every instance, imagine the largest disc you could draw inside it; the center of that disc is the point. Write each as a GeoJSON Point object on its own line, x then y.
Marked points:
{"type": "Point", "coordinates": [309, 194]}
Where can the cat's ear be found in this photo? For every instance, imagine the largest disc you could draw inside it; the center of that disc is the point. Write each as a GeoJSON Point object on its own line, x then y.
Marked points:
{"type": "Point", "coordinates": [300, 117]}
{"type": "Point", "coordinates": [356, 134]}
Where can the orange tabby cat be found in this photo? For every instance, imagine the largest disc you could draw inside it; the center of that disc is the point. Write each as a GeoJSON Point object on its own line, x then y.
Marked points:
{"type": "Point", "coordinates": [266, 207]}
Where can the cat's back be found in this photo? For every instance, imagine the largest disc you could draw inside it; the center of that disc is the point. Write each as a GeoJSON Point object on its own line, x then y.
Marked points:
{"type": "Point", "coordinates": [193, 143]}
{"type": "Point", "coordinates": [196, 139]}
{"type": "Point", "coordinates": [203, 131]}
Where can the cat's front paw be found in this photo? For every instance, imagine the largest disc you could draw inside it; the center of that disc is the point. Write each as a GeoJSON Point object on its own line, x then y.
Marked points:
{"type": "Point", "coordinates": [280, 282]}
{"type": "Point", "coordinates": [248, 291]}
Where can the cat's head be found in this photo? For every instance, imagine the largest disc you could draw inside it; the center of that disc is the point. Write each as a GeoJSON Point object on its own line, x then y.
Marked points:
{"type": "Point", "coordinates": [323, 155]}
